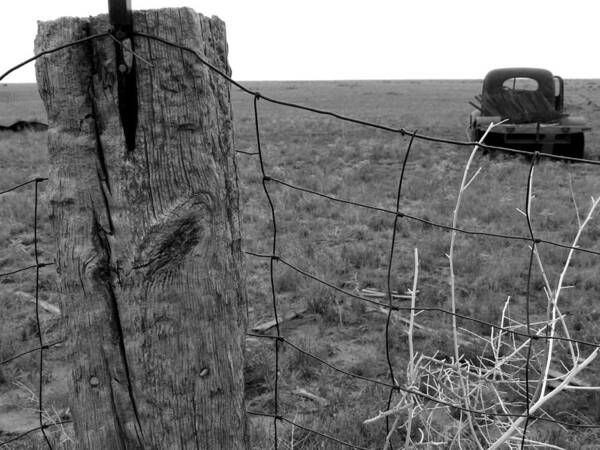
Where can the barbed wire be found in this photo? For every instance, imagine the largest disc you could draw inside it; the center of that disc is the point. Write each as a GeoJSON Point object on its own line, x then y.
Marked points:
{"type": "Point", "coordinates": [273, 257]}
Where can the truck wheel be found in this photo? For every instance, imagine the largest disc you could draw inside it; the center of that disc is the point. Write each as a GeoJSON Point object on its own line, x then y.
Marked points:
{"type": "Point", "coordinates": [495, 140]}
{"type": "Point", "coordinates": [577, 145]}
{"type": "Point", "coordinates": [574, 149]}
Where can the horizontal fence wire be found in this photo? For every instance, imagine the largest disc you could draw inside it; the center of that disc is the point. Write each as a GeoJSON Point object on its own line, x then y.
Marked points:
{"type": "Point", "coordinates": [414, 392]}
{"type": "Point", "coordinates": [349, 119]}
{"type": "Point", "coordinates": [273, 257]}
{"type": "Point", "coordinates": [54, 50]}
{"type": "Point", "coordinates": [26, 183]}
{"type": "Point", "coordinates": [429, 222]}
{"type": "Point", "coordinates": [41, 428]}
{"type": "Point", "coordinates": [24, 269]}
{"type": "Point", "coordinates": [318, 433]}
{"type": "Point", "coordinates": [491, 325]}
{"type": "Point", "coordinates": [257, 94]}
{"type": "Point", "coordinates": [27, 352]}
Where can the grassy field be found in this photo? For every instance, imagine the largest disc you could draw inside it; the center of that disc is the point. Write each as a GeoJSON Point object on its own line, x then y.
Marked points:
{"type": "Point", "coordinates": [349, 246]}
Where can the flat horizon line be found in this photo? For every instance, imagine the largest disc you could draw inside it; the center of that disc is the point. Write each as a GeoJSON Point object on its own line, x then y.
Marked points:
{"type": "Point", "coordinates": [336, 80]}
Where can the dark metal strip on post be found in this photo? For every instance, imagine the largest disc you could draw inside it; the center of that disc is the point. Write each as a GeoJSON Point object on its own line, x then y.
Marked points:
{"type": "Point", "coordinates": [119, 12]}
{"type": "Point", "coordinates": [121, 20]}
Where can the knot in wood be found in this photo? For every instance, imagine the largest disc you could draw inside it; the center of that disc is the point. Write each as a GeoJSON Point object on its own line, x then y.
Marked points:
{"type": "Point", "coordinates": [94, 381]}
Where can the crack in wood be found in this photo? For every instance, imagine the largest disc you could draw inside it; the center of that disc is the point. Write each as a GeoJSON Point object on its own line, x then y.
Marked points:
{"type": "Point", "coordinates": [103, 273]}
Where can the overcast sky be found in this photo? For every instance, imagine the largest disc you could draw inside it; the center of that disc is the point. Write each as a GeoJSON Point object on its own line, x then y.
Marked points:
{"type": "Point", "coordinates": [367, 39]}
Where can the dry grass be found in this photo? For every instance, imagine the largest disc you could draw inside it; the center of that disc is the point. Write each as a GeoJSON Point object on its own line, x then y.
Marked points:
{"type": "Point", "coordinates": [349, 247]}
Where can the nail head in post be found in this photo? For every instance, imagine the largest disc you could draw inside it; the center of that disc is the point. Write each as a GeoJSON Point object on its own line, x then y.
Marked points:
{"type": "Point", "coordinates": [119, 13]}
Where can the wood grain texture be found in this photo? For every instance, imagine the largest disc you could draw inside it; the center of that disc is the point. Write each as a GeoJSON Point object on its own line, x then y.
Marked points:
{"type": "Point", "coordinates": [148, 240]}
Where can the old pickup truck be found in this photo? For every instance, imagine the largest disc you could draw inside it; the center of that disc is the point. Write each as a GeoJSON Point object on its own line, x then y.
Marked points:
{"type": "Point", "coordinates": [531, 101]}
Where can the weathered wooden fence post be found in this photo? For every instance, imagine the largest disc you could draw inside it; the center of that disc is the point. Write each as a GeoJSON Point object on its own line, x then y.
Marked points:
{"type": "Point", "coordinates": [148, 237]}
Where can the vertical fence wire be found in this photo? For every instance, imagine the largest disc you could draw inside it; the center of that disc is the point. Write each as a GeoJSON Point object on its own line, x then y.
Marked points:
{"type": "Point", "coordinates": [37, 317]}
{"type": "Point", "coordinates": [528, 196]}
{"type": "Point", "coordinates": [389, 288]}
{"type": "Point", "coordinates": [272, 260]}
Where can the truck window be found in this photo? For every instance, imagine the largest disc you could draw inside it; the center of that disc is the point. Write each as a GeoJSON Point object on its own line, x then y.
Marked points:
{"type": "Point", "coordinates": [520, 84]}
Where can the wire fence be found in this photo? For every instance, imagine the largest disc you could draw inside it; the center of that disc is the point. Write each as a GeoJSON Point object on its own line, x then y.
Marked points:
{"type": "Point", "coordinates": [393, 386]}
{"type": "Point", "coordinates": [41, 345]}
{"type": "Point", "coordinates": [275, 257]}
